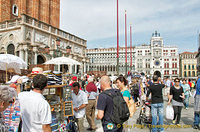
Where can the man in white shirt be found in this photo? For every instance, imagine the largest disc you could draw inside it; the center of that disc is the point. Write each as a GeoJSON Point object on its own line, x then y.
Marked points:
{"type": "Point", "coordinates": [80, 101]}
{"type": "Point", "coordinates": [35, 110]}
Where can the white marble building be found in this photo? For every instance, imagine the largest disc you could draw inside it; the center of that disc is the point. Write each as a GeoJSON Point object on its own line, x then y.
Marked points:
{"type": "Point", "coordinates": [157, 58]}
{"type": "Point", "coordinates": [105, 59]}
{"type": "Point", "coordinates": [27, 38]}
{"type": "Point", "coordinates": [150, 59]}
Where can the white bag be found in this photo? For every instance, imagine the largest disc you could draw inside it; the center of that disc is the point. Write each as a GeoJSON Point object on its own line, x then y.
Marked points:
{"type": "Point", "coordinates": [194, 93]}
{"type": "Point", "coordinates": [169, 112]}
{"type": "Point", "coordinates": [190, 94]}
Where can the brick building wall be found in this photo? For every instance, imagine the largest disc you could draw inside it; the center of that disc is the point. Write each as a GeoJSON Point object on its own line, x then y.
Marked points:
{"type": "Point", "coordinates": [5, 10]}
{"type": "Point", "coordinates": [47, 11]}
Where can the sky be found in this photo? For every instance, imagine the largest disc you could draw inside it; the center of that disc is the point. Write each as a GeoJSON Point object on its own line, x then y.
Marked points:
{"type": "Point", "coordinates": [177, 21]}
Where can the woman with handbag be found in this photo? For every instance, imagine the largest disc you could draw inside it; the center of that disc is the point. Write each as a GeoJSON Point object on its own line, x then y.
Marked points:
{"type": "Point", "coordinates": [121, 84]}
{"type": "Point", "coordinates": [176, 97]}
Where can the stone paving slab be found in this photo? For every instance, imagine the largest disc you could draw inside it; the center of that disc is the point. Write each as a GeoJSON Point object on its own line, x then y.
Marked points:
{"type": "Point", "coordinates": [187, 119]}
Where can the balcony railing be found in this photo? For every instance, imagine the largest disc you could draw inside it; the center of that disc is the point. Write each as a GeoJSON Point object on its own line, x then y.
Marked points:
{"type": "Point", "coordinates": [43, 26]}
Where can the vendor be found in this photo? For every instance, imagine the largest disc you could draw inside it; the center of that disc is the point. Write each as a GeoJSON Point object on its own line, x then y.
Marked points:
{"type": "Point", "coordinates": [80, 101]}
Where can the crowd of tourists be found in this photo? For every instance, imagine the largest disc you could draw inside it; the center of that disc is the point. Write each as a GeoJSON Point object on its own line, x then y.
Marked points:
{"type": "Point", "coordinates": [115, 101]}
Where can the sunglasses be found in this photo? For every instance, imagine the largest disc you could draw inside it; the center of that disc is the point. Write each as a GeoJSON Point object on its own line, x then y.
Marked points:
{"type": "Point", "coordinates": [177, 81]}
{"type": "Point", "coordinates": [12, 101]}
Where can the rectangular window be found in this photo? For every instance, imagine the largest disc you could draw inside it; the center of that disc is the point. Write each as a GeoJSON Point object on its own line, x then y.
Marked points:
{"type": "Point", "coordinates": [167, 72]}
{"type": "Point", "coordinates": [192, 67]}
{"type": "Point", "coordinates": [185, 67]}
{"type": "Point", "coordinates": [189, 67]}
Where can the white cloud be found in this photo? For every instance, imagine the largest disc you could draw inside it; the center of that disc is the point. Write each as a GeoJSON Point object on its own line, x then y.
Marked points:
{"type": "Point", "coordinates": [96, 19]}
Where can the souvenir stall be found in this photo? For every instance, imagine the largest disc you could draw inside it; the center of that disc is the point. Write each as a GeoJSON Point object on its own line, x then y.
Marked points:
{"type": "Point", "coordinates": [58, 94]}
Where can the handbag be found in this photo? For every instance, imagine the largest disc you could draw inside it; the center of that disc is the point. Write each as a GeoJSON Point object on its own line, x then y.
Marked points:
{"type": "Point", "coordinates": [169, 112]}
{"type": "Point", "coordinates": [131, 106]}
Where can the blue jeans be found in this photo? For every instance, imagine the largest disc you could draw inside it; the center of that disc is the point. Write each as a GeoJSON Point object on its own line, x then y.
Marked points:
{"type": "Point", "coordinates": [157, 110]}
{"type": "Point", "coordinates": [186, 101]}
{"type": "Point", "coordinates": [196, 118]}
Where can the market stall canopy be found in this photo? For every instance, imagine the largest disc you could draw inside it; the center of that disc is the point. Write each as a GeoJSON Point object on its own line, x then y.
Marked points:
{"type": "Point", "coordinates": [63, 60]}
{"type": "Point", "coordinates": [8, 61]}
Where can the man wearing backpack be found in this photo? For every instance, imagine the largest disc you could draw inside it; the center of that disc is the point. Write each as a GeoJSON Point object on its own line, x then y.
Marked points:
{"type": "Point", "coordinates": [110, 104]}
{"type": "Point", "coordinates": [157, 104]}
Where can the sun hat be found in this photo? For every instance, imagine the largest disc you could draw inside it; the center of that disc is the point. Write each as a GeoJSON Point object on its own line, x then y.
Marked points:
{"type": "Point", "coordinates": [37, 70]}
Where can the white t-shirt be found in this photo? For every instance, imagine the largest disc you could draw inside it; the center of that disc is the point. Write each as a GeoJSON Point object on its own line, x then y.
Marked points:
{"type": "Point", "coordinates": [35, 111]}
{"type": "Point", "coordinates": [78, 100]}
{"type": "Point", "coordinates": [168, 83]}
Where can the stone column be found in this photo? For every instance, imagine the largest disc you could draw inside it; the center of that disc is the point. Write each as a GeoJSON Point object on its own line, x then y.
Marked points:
{"type": "Point", "coordinates": [75, 69]}
{"type": "Point", "coordinates": [88, 69]}
{"type": "Point", "coordinates": [49, 41]}
{"type": "Point", "coordinates": [70, 69]}
{"type": "Point", "coordinates": [84, 67]}
{"type": "Point", "coordinates": [23, 32]}
{"type": "Point", "coordinates": [26, 57]}
{"type": "Point", "coordinates": [21, 54]}
{"type": "Point", "coordinates": [33, 36]}
{"type": "Point", "coordinates": [59, 67]}
{"type": "Point", "coordinates": [35, 58]}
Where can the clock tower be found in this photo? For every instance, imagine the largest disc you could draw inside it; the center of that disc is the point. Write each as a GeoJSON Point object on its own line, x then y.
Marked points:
{"type": "Point", "coordinates": [156, 46]}
{"type": "Point", "coordinates": [156, 40]}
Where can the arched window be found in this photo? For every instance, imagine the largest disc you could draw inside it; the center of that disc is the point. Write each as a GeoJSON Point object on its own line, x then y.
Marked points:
{"type": "Point", "coordinates": [185, 74]}
{"type": "Point", "coordinates": [40, 59]}
{"type": "Point", "coordinates": [11, 49]}
{"type": "Point", "coordinates": [15, 10]}
{"type": "Point", "coordinates": [189, 74]}
{"type": "Point", "coordinates": [193, 73]}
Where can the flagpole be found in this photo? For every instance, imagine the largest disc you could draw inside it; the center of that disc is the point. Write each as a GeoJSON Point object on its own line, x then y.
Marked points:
{"type": "Point", "coordinates": [131, 46]}
{"type": "Point", "coordinates": [125, 45]}
{"type": "Point", "coordinates": [117, 41]}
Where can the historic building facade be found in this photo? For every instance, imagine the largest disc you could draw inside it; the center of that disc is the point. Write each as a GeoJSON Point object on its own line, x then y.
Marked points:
{"type": "Point", "coordinates": [154, 58]}
{"type": "Point", "coordinates": [188, 65]}
{"type": "Point", "coordinates": [28, 37]}
{"type": "Point", "coordinates": [157, 58]}
{"type": "Point", "coordinates": [198, 57]}
{"type": "Point", "coordinates": [105, 59]}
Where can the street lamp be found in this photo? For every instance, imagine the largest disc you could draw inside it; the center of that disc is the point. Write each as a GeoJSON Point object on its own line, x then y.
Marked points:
{"type": "Point", "coordinates": [68, 49]}
{"type": "Point", "coordinates": [46, 49]}
{"type": "Point", "coordinates": [57, 41]}
{"type": "Point", "coordinates": [57, 52]}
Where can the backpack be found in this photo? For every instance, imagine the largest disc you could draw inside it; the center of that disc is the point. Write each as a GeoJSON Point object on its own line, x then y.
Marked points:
{"type": "Point", "coordinates": [120, 112]}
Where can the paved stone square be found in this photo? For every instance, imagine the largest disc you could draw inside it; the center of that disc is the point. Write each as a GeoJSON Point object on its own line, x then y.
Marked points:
{"type": "Point", "coordinates": [187, 119]}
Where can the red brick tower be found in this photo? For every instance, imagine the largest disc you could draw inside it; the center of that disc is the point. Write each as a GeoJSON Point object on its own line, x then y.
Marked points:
{"type": "Point", "coordinates": [47, 11]}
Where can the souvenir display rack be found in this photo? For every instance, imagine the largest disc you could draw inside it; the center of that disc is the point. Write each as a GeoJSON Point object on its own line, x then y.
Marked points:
{"type": "Point", "coordinates": [59, 98]}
